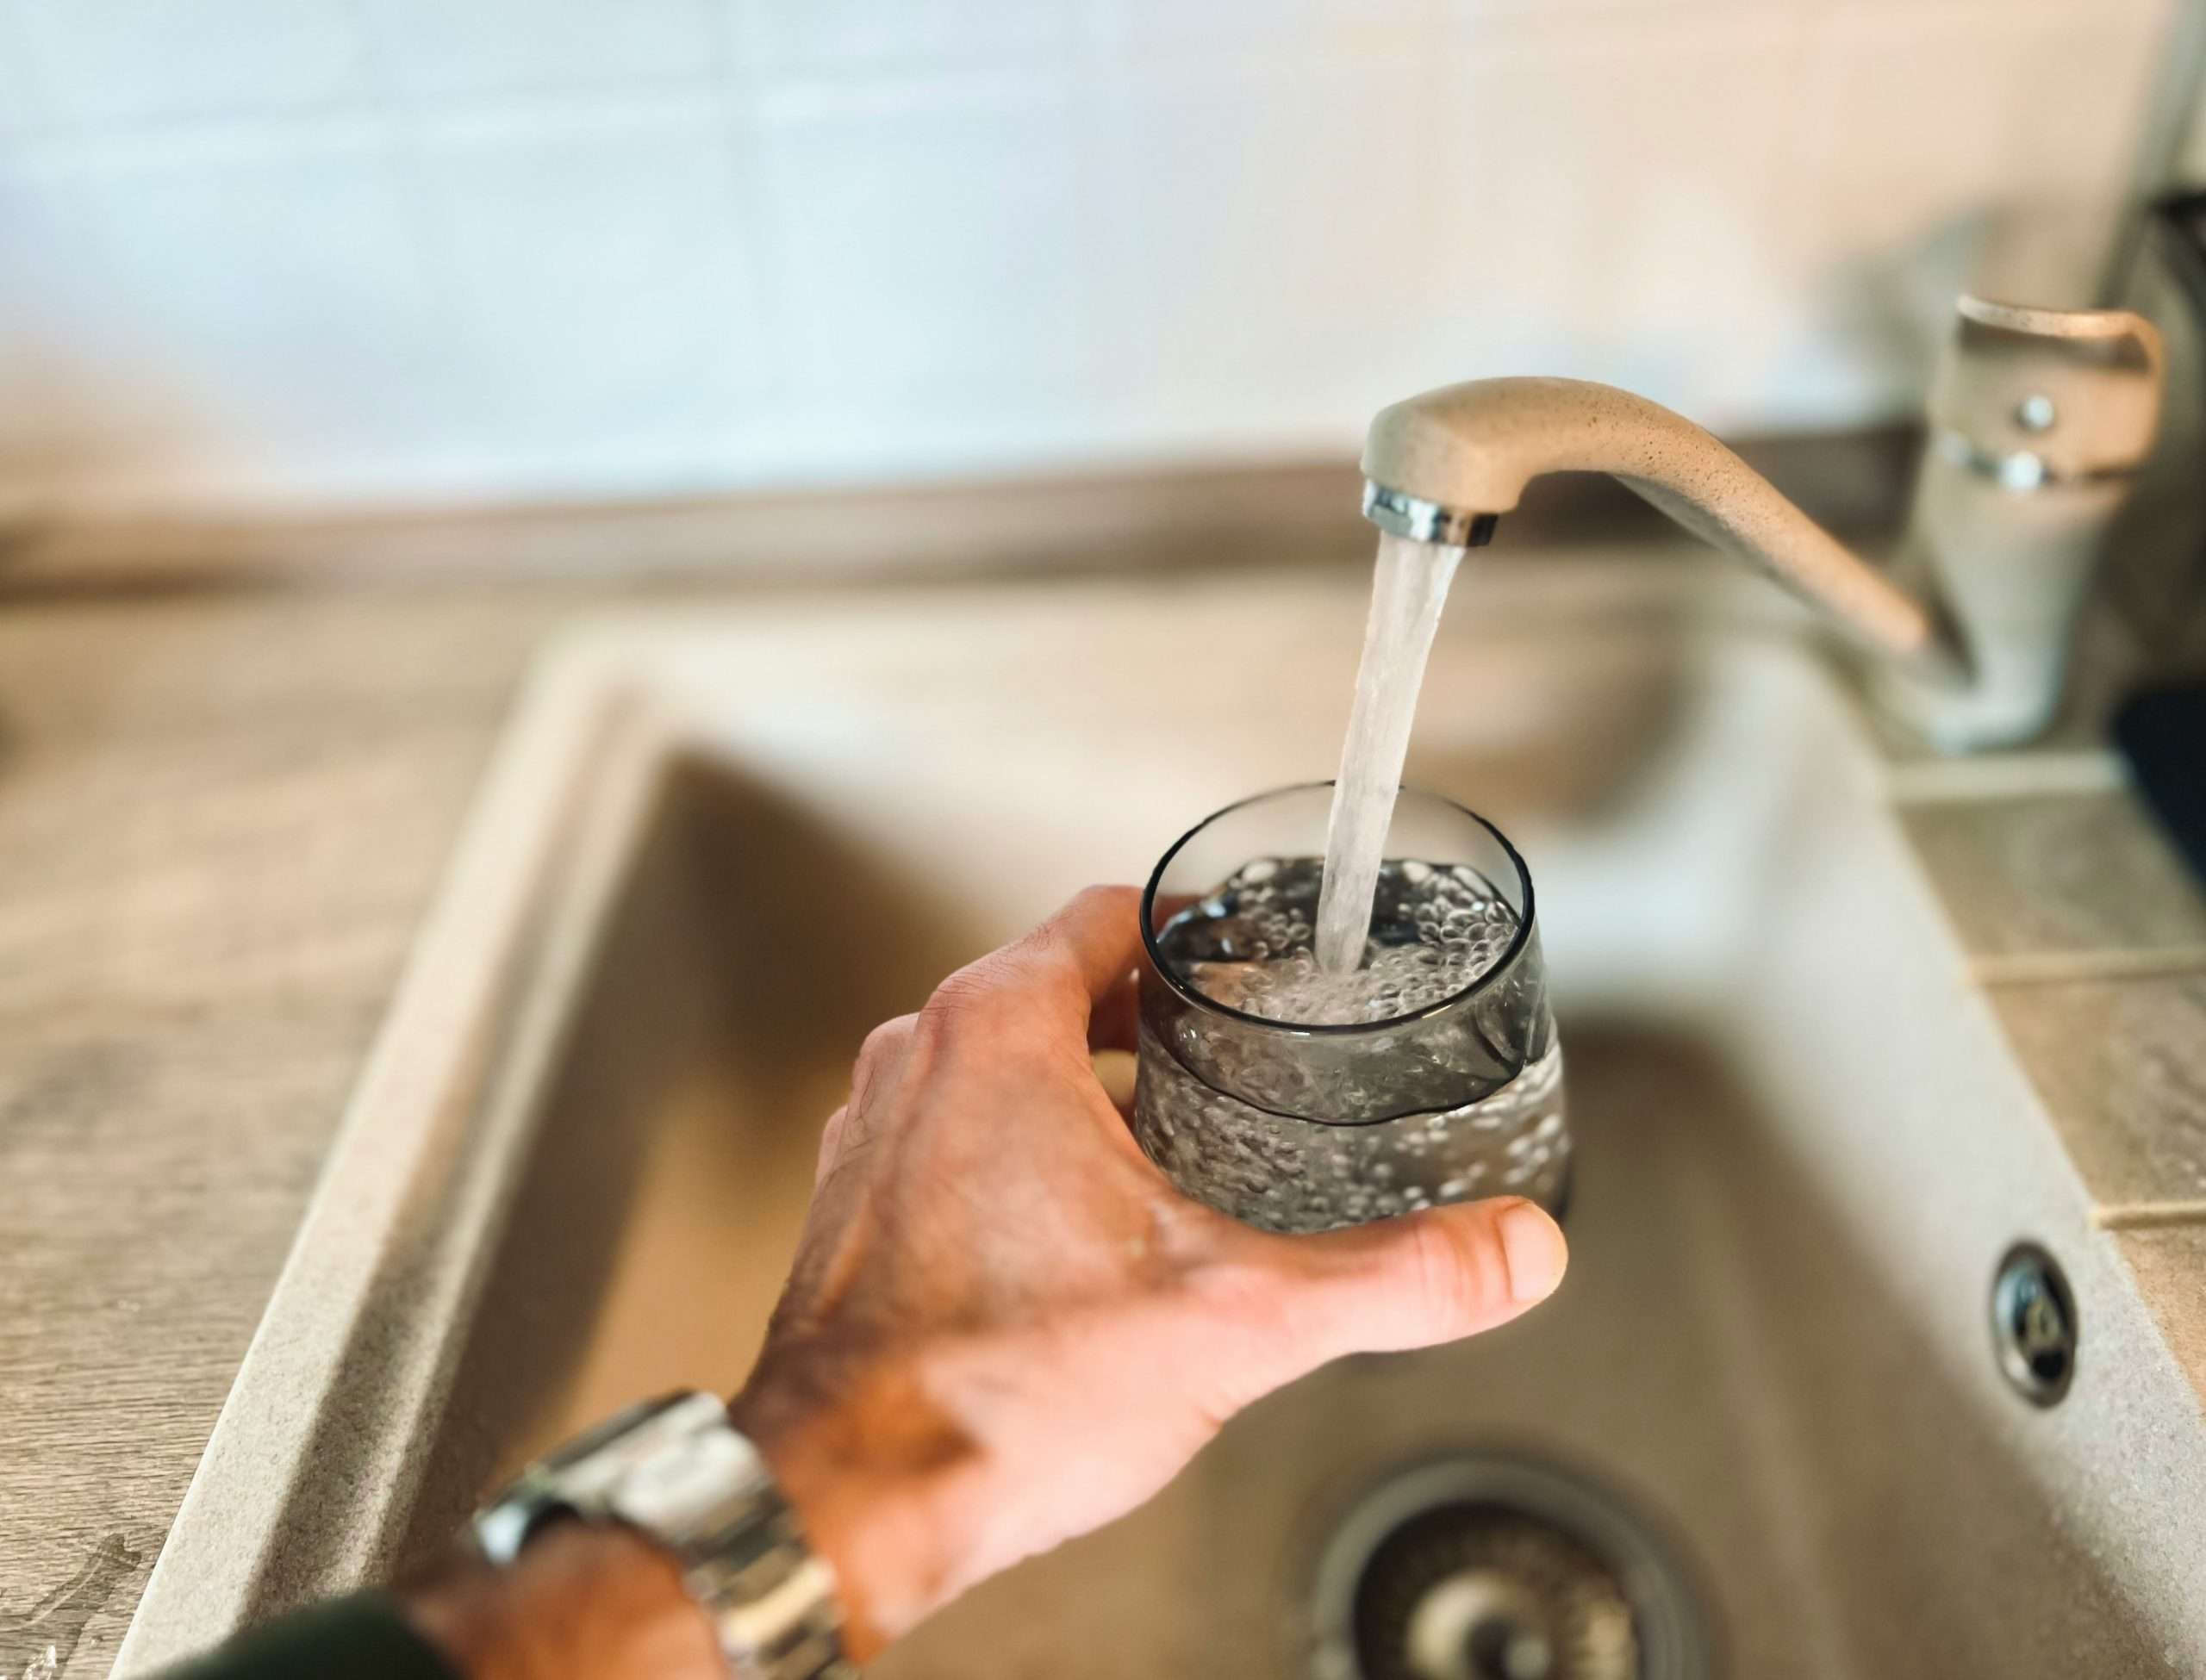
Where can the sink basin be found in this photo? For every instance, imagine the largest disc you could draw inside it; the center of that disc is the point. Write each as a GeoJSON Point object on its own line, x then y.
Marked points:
{"type": "Point", "coordinates": [716, 850]}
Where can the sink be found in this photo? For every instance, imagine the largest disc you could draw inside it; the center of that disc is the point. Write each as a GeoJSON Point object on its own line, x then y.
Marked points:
{"type": "Point", "coordinates": [716, 850]}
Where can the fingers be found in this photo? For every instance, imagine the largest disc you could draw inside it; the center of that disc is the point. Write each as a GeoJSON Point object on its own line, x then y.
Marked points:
{"type": "Point", "coordinates": [1098, 934]}
{"type": "Point", "coordinates": [1065, 968]}
{"type": "Point", "coordinates": [1072, 978]}
{"type": "Point", "coordinates": [1424, 1278]}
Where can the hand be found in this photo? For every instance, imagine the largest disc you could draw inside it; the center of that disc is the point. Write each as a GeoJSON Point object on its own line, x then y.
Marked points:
{"type": "Point", "coordinates": [1005, 1327]}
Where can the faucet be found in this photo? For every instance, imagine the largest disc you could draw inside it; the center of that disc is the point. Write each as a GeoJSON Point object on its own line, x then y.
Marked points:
{"type": "Point", "coordinates": [2039, 421]}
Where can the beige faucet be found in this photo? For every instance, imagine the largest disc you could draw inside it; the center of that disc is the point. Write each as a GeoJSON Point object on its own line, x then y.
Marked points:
{"type": "Point", "coordinates": [2038, 420]}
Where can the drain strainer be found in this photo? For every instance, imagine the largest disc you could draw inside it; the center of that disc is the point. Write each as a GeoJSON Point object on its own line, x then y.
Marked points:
{"type": "Point", "coordinates": [1494, 1568]}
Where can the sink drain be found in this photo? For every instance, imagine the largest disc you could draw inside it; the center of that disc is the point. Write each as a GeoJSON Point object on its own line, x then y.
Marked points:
{"type": "Point", "coordinates": [1499, 1568]}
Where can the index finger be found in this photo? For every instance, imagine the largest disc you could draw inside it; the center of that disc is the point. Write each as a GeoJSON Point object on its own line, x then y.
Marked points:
{"type": "Point", "coordinates": [1100, 932]}
{"type": "Point", "coordinates": [1068, 963]}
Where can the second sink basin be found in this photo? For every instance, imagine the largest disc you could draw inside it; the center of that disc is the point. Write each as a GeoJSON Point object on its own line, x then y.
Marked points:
{"type": "Point", "coordinates": [717, 852]}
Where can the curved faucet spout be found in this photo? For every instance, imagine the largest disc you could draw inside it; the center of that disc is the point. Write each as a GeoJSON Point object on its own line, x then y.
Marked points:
{"type": "Point", "coordinates": [1443, 465]}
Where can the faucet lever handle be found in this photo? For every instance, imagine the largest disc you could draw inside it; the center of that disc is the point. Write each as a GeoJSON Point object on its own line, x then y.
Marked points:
{"type": "Point", "coordinates": [2027, 395]}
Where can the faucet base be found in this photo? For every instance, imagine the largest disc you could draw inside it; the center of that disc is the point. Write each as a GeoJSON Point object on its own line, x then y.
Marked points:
{"type": "Point", "coordinates": [1955, 720]}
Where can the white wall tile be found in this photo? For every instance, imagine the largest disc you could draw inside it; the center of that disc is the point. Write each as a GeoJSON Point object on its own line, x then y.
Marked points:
{"type": "Point", "coordinates": [1605, 201]}
{"type": "Point", "coordinates": [65, 352]}
{"type": "Point", "coordinates": [106, 61]}
{"type": "Point", "coordinates": [1913, 116]}
{"type": "Point", "coordinates": [828, 35]}
{"type": "Point", "coordinates": [930, 244]}
{"type": "Point", "coordinates": [23, 107]}
{"type": "Point", "coordinates": [442, 48]}
{"type": "Point", "coordinates": [1254, 226]}
{"type": "Point", "coordinates": [1591, 17]}
{"type": "Point", "coordinates": [265, 304]}
{"type": "Point", "coordinates": [1255, 28]}
{"type": "Point", "coordinates": [687, 242]}
{"type": "Point", "coordinates": [601, 286]}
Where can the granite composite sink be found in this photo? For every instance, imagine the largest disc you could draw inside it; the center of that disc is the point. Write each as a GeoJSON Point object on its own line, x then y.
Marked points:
{"type": "Point", "coordinates": [716, 851]}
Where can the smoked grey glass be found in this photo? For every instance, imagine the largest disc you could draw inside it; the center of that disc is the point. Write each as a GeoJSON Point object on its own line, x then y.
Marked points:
{"type": "Point", "coordinates": [1304, 1126]}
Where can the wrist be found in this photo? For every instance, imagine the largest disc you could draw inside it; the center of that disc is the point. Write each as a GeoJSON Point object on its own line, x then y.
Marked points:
{"type": "Point", "coordinates": [876, 1477]}
{"type": "Point", "coordinates": [587, 1598]}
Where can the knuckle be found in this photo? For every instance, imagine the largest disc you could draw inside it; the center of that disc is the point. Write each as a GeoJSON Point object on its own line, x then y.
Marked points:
{"type": "Point", "coordinates": [1099, 894]}
{"type": "Point", "coordinates": [971, 1001]}
{"type": "Point", "coordinates": [878, 1055]}
{"type": "Point", "coordinates": [1041, 958]}
{"type": "Point", "coordinates": [886, 1039]}
{"type": "Point", "coordinates": [957, 995]}
{"type": "Point", "coordinates": [1461, 1273]}
{"type": "Point", "coordinates": [881, 1049]}
{"type": "Point", "coordinates": [1002, 986]}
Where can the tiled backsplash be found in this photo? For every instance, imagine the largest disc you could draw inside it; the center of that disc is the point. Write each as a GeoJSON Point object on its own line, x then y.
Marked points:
{"type": "Point", "coordinates": [417, 249]}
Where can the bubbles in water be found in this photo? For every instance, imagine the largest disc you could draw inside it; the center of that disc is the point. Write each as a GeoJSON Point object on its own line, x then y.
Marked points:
{"type": "Point", "coordinates": [1435, 931]}
{"type": "Point", "coordinates": [1285, 1174]}
{"type": "Point", "coordinates": [1249, 945]}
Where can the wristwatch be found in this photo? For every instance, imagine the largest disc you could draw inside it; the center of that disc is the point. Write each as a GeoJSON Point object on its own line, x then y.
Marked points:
{"type": "Point", "coordinates": [675, 1469]}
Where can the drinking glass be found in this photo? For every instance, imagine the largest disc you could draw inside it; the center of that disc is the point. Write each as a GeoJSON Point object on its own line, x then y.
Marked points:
{"type": "Point", "coordinates": [1306, 1125]}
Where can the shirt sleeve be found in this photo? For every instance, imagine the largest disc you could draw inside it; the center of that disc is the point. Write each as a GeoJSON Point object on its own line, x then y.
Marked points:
{"type": "Point", "coordinates": [360, 1638]}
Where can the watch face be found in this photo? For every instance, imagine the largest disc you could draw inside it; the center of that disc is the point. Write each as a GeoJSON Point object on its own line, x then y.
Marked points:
{"type": "Point", "coordinates": [581, 1446]}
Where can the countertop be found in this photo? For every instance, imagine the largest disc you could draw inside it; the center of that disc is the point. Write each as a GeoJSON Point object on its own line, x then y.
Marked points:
{"type": "Point", "coordinates": [220, 819]}
{"type": "Point", "coordinates": [222, 814]}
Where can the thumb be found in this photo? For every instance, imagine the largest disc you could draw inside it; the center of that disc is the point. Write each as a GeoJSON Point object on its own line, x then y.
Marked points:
{"type": "Point", "coordinates": [1425, 1278]}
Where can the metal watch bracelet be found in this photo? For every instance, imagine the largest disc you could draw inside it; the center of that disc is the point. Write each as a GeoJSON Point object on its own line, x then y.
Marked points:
{"type": "Point", "coordinates": [678, 1471]}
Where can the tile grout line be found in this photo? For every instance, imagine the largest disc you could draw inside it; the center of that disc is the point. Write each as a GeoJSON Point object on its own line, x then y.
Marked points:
{"type": "Point", "coordinates": [2008, 776]}
{"type": "Point", "coordinates": [2055, 967]}
{"type": "Point", "coordinates": [2150, 1216]}
{"type": "Point", "coordinates": [2023, 968]}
